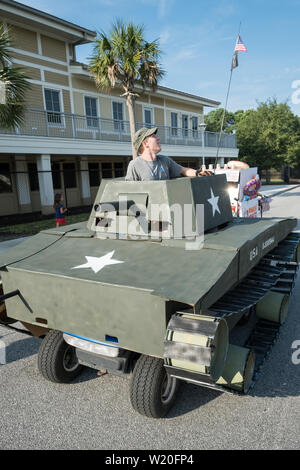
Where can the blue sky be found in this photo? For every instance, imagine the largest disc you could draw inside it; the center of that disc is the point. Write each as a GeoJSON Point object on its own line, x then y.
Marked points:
{"type": "Point", "coordinates": [197, 38]}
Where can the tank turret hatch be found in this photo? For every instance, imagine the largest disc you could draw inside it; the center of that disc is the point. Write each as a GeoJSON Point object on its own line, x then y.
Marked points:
{"type": "Point", "coordinates": [177, 208]}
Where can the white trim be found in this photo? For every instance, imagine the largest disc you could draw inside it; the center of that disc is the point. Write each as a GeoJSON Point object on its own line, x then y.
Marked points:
{"type": "Point", "coordinates": [165, 112]}
{"type": "Point", "coordinates": [37, 56]}
{"type": "Point", "coordinates": [39, 43]}
{"type": "Point", "coordinates": [36, 145]}
{"type": "Point", "coordinates": [37, 66]}
{"type": "Point", "coordinates": [48, 84]}
{"type": "Point", "coordinates": [185, 98]}
{"type": "Point", "coordinates": [70, 79]}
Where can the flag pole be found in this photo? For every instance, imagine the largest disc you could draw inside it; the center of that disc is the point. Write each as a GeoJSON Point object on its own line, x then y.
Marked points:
{"type": "Point", "coordinates": [225, 108]}
{"type": "Point", "coordinates": [223, 117]}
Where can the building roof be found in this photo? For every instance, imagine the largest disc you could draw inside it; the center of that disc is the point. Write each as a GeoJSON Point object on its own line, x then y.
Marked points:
{"type": "Point", "coordinates": [205, 101]}
{"type": "Point", "coordinates": [82, 70]}
{"type": "Point", "coordinates": [24, 14]}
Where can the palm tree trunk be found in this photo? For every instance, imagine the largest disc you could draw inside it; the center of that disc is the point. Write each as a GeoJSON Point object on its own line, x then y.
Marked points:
{"type": "Point", "coordinates": [131, 112]}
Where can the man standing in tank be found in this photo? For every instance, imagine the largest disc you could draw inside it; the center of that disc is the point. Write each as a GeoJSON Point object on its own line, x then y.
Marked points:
{"type": "Point", "coordinates": [152, 166]}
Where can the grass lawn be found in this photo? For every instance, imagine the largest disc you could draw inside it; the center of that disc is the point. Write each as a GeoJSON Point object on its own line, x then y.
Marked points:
{"type": "Point", "coordinates": [31, 228]}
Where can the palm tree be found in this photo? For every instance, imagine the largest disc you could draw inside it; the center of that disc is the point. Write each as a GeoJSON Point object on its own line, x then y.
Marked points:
{"type": "Point", "coordinates": [13, 85]}
{"type": "Point", "coordinates": [125, 58]}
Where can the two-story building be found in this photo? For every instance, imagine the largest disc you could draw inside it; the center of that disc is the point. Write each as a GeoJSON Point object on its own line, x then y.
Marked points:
{"type": "Point", "coordinates": [73, 135]}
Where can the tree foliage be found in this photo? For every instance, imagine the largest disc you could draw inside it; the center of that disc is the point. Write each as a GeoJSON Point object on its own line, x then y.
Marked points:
{"type": "Point", "coordinates": [15, 83]}
{"type": "Point", "coordinates": [124, 58]}
{"type": "Point", "coordinates": [268, 137]}
{"type": "Point", "coordinates": [214, 118]}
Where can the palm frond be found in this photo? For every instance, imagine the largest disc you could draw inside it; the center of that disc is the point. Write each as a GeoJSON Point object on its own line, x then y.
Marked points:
{"type": "Point", "coordinates": [125, 56]}
{"type": "Point", "coordinates": [5, 44]}
{"type": "Point", "coordinates": [16, 85]}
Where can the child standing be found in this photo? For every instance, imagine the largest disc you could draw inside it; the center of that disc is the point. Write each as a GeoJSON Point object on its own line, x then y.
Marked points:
{"type": "Point", "coordinates": [59, 210]}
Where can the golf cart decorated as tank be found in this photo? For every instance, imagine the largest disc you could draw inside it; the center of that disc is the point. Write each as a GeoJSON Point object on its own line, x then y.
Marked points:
{"type": "Point", "coordinates": [156, 293]}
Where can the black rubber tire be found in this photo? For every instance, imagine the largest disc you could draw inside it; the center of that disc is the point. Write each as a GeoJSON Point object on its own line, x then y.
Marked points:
{"type": "Point", "coordinates": [52, 356]}
{"type": "Point", "coordinates": [147, 387]}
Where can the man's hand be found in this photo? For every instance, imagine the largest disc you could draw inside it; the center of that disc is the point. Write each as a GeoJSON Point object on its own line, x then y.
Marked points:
{"type": "Point", "coordinates": [204, 173]}
{"type": "Point", "coordinates": [192, 172]}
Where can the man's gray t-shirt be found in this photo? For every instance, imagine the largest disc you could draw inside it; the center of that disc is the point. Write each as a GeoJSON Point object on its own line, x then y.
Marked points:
{"type": "Point", "coordinates": [162, 168]}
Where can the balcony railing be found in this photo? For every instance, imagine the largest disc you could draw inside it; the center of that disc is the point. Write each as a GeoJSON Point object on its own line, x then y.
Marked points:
{"type": "Point", "coordinates": [73, 126]}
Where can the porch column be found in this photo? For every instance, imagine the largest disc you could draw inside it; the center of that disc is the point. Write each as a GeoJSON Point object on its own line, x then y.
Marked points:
{"type": "Point", "coordinates": [45, 183]}
{"type": "Point", "coordinates": [22, 183]}
{"type": "Point", "coordinates": [221, 162]}
{"type": "Point", "coordinates": [85, 181]}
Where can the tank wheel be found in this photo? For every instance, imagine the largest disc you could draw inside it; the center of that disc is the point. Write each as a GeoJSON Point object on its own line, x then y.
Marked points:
{"type": "Point", "coordinates": [57, 360]}
{"type": "Point", "coordinates": [152, 390]}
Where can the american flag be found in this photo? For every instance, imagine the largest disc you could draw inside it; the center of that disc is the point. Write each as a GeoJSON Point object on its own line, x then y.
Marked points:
{"type": "Point", "coordinates": [239, 46]}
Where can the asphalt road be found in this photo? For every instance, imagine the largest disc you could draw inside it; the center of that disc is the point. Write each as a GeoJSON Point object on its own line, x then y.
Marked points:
{"type": "Point", "coordinates": [95, 412]}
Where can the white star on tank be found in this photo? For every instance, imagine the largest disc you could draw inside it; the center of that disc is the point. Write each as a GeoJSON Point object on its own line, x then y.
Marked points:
{"type": "Point", "coordinates": [96, 264]}
{"type": "Point", "coordinates": [214, 202]}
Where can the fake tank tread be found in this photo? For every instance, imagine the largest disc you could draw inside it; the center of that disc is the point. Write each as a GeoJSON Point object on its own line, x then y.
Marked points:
{"type": "Point", "coordinates": [275, 272]}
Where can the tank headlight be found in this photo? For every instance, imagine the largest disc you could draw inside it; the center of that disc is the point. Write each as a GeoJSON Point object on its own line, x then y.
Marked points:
{"type": "Point", "coordinates": [90, 346]}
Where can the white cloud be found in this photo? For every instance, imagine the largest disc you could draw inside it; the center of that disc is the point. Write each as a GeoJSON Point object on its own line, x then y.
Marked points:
{"type": "Point", "coordinates": [162, 8]}
{"type": "Point", "coordinates": [188, 52]}
{"type": "Point", "coordinates": [164, 36]}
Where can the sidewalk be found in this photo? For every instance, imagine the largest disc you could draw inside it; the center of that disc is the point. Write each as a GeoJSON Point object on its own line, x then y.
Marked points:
{"type": "Point", "coordinates": [275, 189]}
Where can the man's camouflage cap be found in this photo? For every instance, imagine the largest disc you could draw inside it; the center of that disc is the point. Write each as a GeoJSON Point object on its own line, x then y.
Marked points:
{"type": "Point", "coordinates": [141, 135]}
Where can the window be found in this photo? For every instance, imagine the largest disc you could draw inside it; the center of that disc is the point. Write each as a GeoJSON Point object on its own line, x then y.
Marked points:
{"type": "Point", "coordinates": [56, 176]}
{"type": "Point", "coordinates": [195, 126]}
{"type": "Point", "coordinates": [148, 117]}
{"type": "Point", "coordinates": [33, 177]}
{"type": "Point", "coordinates": [94, 174]}
{"type": "Point", "coordinates": [119, 169]}
{"type": "Point", "coordinates": [69, 172]}
{"type": "Point", "coordinates": [185, 125]}
{"type": "Point", "coordinates": [174, 124]}
{"type": "Point", "coordinates": [118, 116]}
{"type": "Point", "coordinates": [91, 111]}
{"type": "Point", "coordinates": [53, 106]}
{"type": "Point", "coordinates": [107, 170]}
{"type": "Point", "coordinates": [5, 179]}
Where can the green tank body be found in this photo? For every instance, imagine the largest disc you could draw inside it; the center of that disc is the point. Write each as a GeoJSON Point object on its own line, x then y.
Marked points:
{"type": "Point", "coordinates": [155, 285]}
